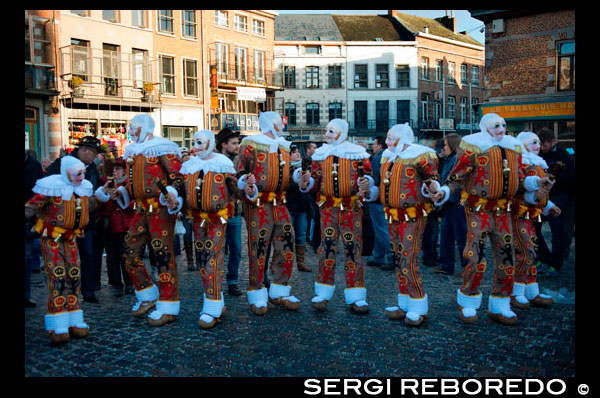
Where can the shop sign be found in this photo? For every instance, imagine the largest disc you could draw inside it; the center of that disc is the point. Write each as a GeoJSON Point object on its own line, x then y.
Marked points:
{"type": "Point", "coordinates": [531, 110]}
{"type": "Point", "coordinates": [251, 94]}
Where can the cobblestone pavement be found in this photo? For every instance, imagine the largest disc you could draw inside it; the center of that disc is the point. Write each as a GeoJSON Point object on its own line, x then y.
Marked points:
{"type": "Point", "coordinates": [306, 343]}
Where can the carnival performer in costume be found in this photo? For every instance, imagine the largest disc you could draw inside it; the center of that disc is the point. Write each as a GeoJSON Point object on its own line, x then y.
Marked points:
{"type": "Point", "coordinates": [489, 169]}
{"type": "Point", "coordinates": [210, 188]}
{"type": "Point", "coordinates": [152, 163]}
{"type": "Point", "coordinates": [524, 214]}
{"type": "Point", "coordinates": [341, 176]}
{"type": "Point", "coordinates": [62, 203]}
{"type": "Point", "coordinates": [264, 161]}
{"type": "Point", "coordinates": [407, 169]}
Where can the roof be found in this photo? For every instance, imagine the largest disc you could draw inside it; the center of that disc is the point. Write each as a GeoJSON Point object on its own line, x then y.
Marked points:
{"type": "Point", "coordinates": [417, 24]}
{"type": "Point", "coordinates": [369, 28]}
{"type": "Point", "coordinates": [306, 27]}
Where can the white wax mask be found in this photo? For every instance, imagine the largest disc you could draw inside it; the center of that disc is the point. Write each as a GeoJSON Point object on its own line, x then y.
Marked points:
{"type": "Point", "coordinates": [497, 130]}
{"type": "Point", "coordinates": [533, 146]}
{"type": "Point", "coordinates": [391, 141]}
{"type": "Point", "coordinates": [332, 134]}
{"type": "Point", "coordinates": [204, 143]}
{"type": "Point", "coordinates": [76, 174]}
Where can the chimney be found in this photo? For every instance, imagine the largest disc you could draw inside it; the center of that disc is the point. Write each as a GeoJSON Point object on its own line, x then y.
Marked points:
{"type": "Point", "coordinates": [448, 22]}
{"type": "Point", "coordinates": [392, 13]}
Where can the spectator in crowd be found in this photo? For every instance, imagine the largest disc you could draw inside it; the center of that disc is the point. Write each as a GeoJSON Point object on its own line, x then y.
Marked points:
{"type": "Point", "coordinates": [381, 249]}
{"type": "Point", "coordinates": [298, 204]}
{"type": "Point", "coordinates": [87, 150]}
{"type": "Point", "coordinates": [454, 222]}
{"type": "Point", "coordinates": [33, 172]}
{"type": "Point", "coordinates": [188, 240]}
{"type": "Point", "coordinates": [561, 166]}
{"type": "Point", "coordinates": [118, 223]}
{"type": "Point", "coordinates": [228, 143]}
{"type": "Point", "coordinates": [45, 163]}
{"type": "Point", "coordinates": [313, 230]}
{"type": "Point", "coordinates": [431, 235]}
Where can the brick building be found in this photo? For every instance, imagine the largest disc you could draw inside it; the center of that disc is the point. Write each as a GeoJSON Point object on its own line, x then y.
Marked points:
{"type": "Point", "coordinates": [242, 80]}
{"type": "Point", "coordinates": [450, 75]}
{"type": "Point", "coordinates": [530, 69]}
{"type": "Point", "coordinates": [42, 115]}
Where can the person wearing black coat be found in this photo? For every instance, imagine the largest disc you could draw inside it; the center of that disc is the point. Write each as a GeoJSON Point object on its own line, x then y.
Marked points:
{"type": "Point", "coordinates": [561, 165]}
{"type": "Point", "coordinates": [87, 150]}
{"type": "Point", "coordinates": [33, 172]}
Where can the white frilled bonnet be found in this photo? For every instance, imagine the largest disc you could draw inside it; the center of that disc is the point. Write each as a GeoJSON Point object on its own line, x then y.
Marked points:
{"type": "Point", "coordinates": [338, 125]}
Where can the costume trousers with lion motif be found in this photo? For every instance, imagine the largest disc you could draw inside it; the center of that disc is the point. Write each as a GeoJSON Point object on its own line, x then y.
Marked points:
{"type": "Point", "coordinates": [405, 242]}
{"type": "Point", "coordinates": [346, 223]}
{"type": "Point", "coordinates": [208, 244]}
{"type": "Point", "coordinates": [158, 229]}
{"type": "Point", "coordinates": [61, 261]}
{"type": "Point", "coordinates": [498, 226]}
{"type": "Point", "coordinates": [269, 225]}
{"type": "Point", "coordinates": [525, 250]}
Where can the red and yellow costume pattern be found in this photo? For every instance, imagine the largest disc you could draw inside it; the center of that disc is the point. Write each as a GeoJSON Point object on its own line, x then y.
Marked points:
{"type": "Point", "coordinates": [209, 203]}
{"type": "Point", "coordinates": [490, 179]}
{"type": "Point", "coordinates": [152, 222]}
{"type": "Point", "coordinates": [267, 218]}
{"type": "Point", "coordinates": [336, 181]}
{"type": "Point", "coordinates": [406, 210]}
{"type": "Point", "coordinates": [59, 223]}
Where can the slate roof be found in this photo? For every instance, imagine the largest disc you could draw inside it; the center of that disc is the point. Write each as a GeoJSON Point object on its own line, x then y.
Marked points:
{"type": "Point", "coordinates": [417, 24]}
{"type": "Point", "coordinates": [306, 27]}
{"type": "Point", "coordinates": [369, 28]}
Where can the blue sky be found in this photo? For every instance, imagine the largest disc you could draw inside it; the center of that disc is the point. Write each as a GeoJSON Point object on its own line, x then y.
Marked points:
{"type": "Point", "coordinates": [464, 21]}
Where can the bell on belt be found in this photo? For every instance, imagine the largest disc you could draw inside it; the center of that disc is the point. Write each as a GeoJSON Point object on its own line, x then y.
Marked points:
{"type": "Point", "coordinates": [341, 206]}
{"type": "Point", "coordinates": [134, 205]}
{"type": "Point", "coordinates": [223, 221]}
{"type": "Point", "coordinates": [202, 223]}
{"type": "Point", "coordinates": [478, 208]}
{"type": "Point", "coordinates": [424, 213]}
{"type": "Point", "coordinates": [258, 202]}
{"type": "Point", "coordinates": [281, 161]}
{"type": "Point", "coordinates": [150, 209]}
{"type": "Point", "coordinates": [505, 165]}
{"type": "Point", "coordinates": [406, 217]}
{"type": "Point", "coordinates": [497, 211]}
{"type": "Point", "coordinates": [508, 207]}
{"type": "Point", "coordinates": [386, 181]}
{"type": "Point", "coordinates": [57, 239]}
{"type": "Point", "coordinates": [130, 161]}
{"type": "Point", "coordinates": [78, 204]}
{"type": "Point", "coordinates": [274, 202]}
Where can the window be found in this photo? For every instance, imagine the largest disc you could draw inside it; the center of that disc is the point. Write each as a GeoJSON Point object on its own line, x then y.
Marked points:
{"type": "Point", "coordinates": [290, 112]}
{"type": "Point", "coordinates": [424, 106]}
{"type": "Point", "coordinates": [451, 72]}
{"type": "Point", "coordinates": [167, 74]}
{"type": "Point", "coordinates": [139, 67]}
{"type": "Point", "coordinates": [289, 76]}
{"type": "Point", "coordinates": [110, 69]}
{"type": "Point", "coordinates": [38, 42]}
{"type": "Point", "coordinates": [165, 21]}
{"type": "Point", "coordinates": [463, 74]}
{"type": "Point", "coordinates": [437, 110]}
{"type": "Point", "coordinates": [182, 135]}
{"type": "Point", "coordinates": [566, 66]}
{"type": "Point", "coordinates": [190, 78]}
{"type": "Point", "coordinates": [312, 77]}
{"type": "Point", "coordinates": [403, 72]}
{"type": "Point", "coordinates": [81, 59]}
{"type": "Point", "coordinates": [240, 22]}
{"type": "Point", "coordinates": [474, 115]}
{"type": "Point", "coordinates": [335, 76]}
{"type": "Point", "coordinates": [382, 116]}
{"type": "Point", "coordinates": [335, 110]}
{"type": "Point", "coordinates": [81, 13]}
{"type": "Point", "coordinates": [463, 110]}
{"type": "Point", "coordinates": [439, 70]}
{"type": "Point", "coordinates": [360, 114]}
{"type": "Point", "coordinates": [110, 15]}
{"type": "Point", "coordinates": [360, 76]}
{"type": "Point", "coordinates": [312, 50]}
{"type": "Point", "coordinates": [221, 18]}
{"type": "Point", "coordinates": [258, 27]}
{"type": "Point", "coordinates": [425, 68]}
{"type": "Point", "coordinates": [312, 113]}
{"type": "Point", "coordinates": [451, 107]}
{"type": "Point", "coordinates": [259, 65]}
{"type": "Point", "coordinates": [475, 76]}
{"type": "Point", "coordinates": [402, 111]}
{"type": "Point", "coordinates": [188, 23]}
{"type": "Point", "coordinates": [240, 63]}
{"type": "Point", "coordinates": [138, 18]}
{"type": "Point", "coordinates": [382, 76]}
{"type": "Point", "coordinates": [221, 53]}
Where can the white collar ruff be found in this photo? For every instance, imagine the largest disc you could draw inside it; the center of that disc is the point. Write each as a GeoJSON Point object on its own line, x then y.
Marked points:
{"type": "Point", "coordinates": [219, 163]}
{"type": "Point", "coordinates": [533, 159]}
{"type": "Point", "coordinates": [54, 185]}
{"type": "Point", "coordinates": [266, 140]}
{"type": "Point", "coordinates": [345, 150]}
{"type": "Point", "coordinates": [153, 148]}
{"type": "Point", "coordinates": [484, 141]}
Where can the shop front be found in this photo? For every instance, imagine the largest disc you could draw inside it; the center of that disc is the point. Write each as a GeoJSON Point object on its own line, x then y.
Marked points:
{"type": "Point", "coordinates": [557, 115]}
